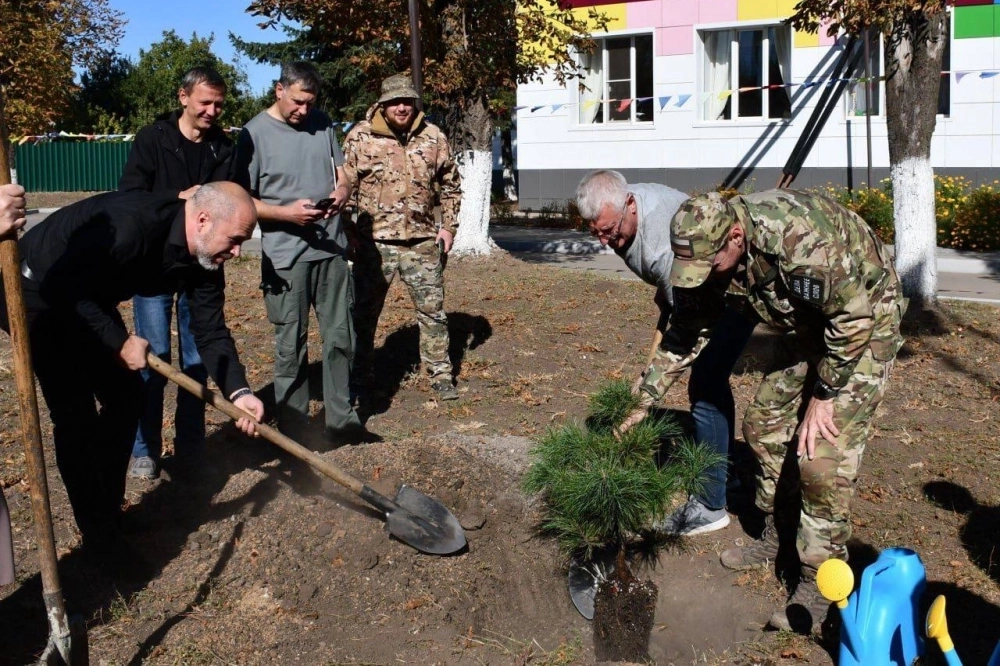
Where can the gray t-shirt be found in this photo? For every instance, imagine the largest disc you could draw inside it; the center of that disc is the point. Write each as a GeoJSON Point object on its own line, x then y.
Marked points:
{"type": "Point", "coordinates": [649, 256]}
{"type": "Point", "coordinates": [280, 163]}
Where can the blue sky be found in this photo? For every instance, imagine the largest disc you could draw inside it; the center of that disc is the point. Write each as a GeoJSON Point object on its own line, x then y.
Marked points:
{"type": "Point", "coordinates": [147, 19]}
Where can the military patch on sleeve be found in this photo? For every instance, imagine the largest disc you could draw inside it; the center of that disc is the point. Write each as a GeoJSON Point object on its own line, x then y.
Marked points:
{"type": "Point", "coordinates": [809, 289]}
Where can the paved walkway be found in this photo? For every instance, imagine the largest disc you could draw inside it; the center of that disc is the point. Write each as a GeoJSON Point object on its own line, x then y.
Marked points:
{"type": "Point", "coordinates": [967, 276]}
{"type": "Point", "coordinates": [961, 275]}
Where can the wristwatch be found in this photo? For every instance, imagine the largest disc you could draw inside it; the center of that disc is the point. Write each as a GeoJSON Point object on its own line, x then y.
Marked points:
{"type": "Point", "coordinates": [823, 391]}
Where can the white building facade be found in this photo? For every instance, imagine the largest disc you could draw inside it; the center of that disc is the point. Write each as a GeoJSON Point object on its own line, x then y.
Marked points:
{"type": "Point", "coordinates": [698, 93]}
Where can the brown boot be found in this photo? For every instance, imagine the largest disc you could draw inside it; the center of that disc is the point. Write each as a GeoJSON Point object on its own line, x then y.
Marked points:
{"type": "Point", "coordinates": [757, 555]}
{"type": "Point", "coordinates": [806, 609]}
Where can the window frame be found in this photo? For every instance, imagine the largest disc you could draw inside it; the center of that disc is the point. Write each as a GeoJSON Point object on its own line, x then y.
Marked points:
{"type": "Point", "coordinates": [878, 55]}
{"type": "Point", "coordinates": [700, 32]}
{"type": "Point", "coordinates": [633, 122]}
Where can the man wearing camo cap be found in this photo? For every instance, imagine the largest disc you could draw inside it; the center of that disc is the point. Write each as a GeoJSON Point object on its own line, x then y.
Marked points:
{"type": "Point", "coordinates": [399, 166]}
{"type": "Point", "coordinates": [814, 270]}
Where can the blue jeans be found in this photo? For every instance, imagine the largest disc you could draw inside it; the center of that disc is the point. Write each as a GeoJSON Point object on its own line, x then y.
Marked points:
{"type": "Point", "coordinates": [152, 322]}
{"type": "Point", "coordinates": [712, 404]}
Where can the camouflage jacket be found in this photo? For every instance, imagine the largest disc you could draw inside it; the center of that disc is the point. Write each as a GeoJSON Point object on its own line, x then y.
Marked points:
{"type": "Point", "coordinates": [812, 267]}
{"type": "Point", "coordinates": [396, 181]}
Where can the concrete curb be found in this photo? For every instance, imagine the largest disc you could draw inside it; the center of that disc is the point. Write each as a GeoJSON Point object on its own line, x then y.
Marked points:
{"type": "Point", "coordinates": [570, 242]}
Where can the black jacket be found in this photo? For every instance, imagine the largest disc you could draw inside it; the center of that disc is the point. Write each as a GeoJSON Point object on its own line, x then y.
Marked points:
{"type": "Point", "coordinates": [87, 258]}
{"type": "Point", "coordinates": [156, 162]}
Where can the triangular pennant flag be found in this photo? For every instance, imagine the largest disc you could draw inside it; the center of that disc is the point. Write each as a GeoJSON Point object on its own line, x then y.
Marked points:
{"type": "Point", "coordinates": [809, 84]}
{"type": "Point", "coordinates": [642, 99]}
{"type": "Point", "coordinates": [556, 107]}
{"type": "Point", "coordinates": [988, 75]}
{"type": "Point", "coordinates": [518, 108]}
{"type": "Point", "coordinates": [589, 103]}
{"type": "Point", "coordinates": [663, 101]}
{"type": "Point", "coordinates": [348, 126]}
{"type": "Point", "coordinates": [624, 104]}
{"type": "Point", "coordinates": [959, 76]}
{"type": "Point", "coordinates": [535, 108]}
{"type": "Point", "coordinates": [725, 94]}
{"type": "Point", "coordinates": [681, 99]}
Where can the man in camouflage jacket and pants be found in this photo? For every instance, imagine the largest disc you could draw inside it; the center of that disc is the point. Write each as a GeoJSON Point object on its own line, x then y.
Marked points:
{"type": "Point", "coordinates": [399, 166]}
{"type": "Point", "coordinates": [815, 270]}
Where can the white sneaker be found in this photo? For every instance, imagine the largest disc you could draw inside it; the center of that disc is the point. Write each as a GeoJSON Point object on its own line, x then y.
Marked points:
{"type": "Point", "coordinates": [693, 518]}
{"type": "Point", "coordinates": [143, 468]}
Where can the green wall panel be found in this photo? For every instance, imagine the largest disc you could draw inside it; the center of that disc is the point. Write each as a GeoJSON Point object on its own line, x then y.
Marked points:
{"type": "Point", "coordinates": [976, 21]}
{"type": "Point", "coordinates": [64, 166]}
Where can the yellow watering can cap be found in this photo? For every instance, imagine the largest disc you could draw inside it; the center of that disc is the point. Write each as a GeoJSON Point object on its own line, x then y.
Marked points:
{"type": "Point", "coordinates": [937, 625]}
{"type": "Point", "coordinates": [835, 581]}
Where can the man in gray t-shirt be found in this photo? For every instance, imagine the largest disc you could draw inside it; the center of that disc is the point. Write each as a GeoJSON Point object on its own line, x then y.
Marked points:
{"type": "Point", "coordinates": [634, 221]}
{"type": "Point", "coordinates": [288, 158]}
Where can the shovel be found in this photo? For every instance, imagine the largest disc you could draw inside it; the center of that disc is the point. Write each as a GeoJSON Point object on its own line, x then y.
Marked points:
{"type": "Point", "coordinates": [411, 517]}
{"type": "Point", "coordinates": [67, 642]}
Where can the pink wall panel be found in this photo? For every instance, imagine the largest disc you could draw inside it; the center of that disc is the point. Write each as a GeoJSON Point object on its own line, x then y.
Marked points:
{"type": "Point", "coordinates": [824, 40]}
{"type": "Point", "coordinates": [677, 40]}
{"type": "Point", "coordinates": [716, 11]}
{"type": "Point", "coordinates": [642, 14]}
{"type": "Point", "coordinates": [679, 12]}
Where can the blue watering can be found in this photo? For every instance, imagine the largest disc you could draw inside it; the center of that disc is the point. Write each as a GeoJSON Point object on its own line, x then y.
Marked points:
{"type": "Point", "coordinates": [880, 626]}
{"type": "Point", "coordinates": [937, 628]}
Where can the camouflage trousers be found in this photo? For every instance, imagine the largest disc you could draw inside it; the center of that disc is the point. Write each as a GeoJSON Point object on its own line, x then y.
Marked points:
{"type": "Point", "coordinates": [827, 481]}
{"type": "Point", "coordinates": [420, 265]}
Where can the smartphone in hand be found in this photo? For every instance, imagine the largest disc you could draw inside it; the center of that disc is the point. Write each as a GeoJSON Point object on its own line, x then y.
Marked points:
{"type": "Point", "coordinates": [323, 204]}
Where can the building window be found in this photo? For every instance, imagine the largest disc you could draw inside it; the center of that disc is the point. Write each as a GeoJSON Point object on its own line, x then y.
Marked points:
{"type": "Point", "coordinates": [744, 73]}
{"type": "Point", "coordinates": [856, 92]}
{"type": "Point", "coordinates": [617, 86]}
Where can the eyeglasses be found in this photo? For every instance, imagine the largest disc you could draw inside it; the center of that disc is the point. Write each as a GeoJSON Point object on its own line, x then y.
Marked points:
{"type": "Point", "coordinates": [600, 234]}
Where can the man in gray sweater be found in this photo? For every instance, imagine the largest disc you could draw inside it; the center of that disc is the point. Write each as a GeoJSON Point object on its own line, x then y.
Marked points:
{"type": "Point", "coordinates": [634, 221]}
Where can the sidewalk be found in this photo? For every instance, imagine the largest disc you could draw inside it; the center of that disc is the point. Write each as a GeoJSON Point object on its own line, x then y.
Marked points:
{"type": "Point", "coordinates": [971, 276]}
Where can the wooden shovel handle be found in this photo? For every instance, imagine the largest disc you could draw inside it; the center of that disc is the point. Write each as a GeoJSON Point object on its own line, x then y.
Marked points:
{"type": "Point", "coordinates": [267, 432]}
{"type": "Point", "coordinates": [10, 265]}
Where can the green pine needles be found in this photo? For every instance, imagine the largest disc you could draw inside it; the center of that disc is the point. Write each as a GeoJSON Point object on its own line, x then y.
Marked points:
{"type": "Point", "coordinates": [598, 489]}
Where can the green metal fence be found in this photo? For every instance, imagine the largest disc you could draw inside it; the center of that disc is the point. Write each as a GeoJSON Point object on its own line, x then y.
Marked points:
{"type": "Point", "coordinates": [70, 166]}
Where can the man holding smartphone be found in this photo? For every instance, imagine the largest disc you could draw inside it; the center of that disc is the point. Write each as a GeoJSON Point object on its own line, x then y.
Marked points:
{"type": "Point", "coordinates": [289, 160]}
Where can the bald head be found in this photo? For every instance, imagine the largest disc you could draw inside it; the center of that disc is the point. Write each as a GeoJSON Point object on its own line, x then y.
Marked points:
{"type": "Point", "coordinates": [218, 219]}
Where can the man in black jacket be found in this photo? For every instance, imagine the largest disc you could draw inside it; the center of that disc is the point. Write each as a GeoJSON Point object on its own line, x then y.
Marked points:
{"type": "Point", "coordinates": [177, 154]}
{"type": "Point", "coordinates": [78, 265]}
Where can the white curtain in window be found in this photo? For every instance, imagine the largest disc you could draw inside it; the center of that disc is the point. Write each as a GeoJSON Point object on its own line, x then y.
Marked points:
{"type": "Point", "coordinates": [718, 45]}
{"type": "Point", "coordinates": [591, 85]}
{"type": "Point", "coordinates": [782, 37]}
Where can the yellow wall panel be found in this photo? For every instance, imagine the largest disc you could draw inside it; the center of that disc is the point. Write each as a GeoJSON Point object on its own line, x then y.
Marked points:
{"type": "Point", "coordinates": [786, 7]}
{"type": "Point", "coordinates": [615, 14]}
{"type": "Point", "coordinates": [805, 39]}
{"type": "Point", "coordinates": [749, 10]}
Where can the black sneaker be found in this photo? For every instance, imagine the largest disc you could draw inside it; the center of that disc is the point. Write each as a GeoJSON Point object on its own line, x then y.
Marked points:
{"type": "Point", "coordinates": [445, 390]}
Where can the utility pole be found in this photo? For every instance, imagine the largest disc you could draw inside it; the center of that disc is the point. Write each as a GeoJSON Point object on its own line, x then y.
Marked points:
{"type": "Point", "coordinates": [416, 59]}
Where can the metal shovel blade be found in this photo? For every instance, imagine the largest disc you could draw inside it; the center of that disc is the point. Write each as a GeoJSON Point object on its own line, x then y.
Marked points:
{"type": "Point", "coordinates": [584, 578]}
{"type": "Point", "coordinates": [424, 523]}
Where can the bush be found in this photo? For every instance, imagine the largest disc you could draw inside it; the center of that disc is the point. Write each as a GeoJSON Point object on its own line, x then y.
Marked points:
{"type": "Point", "coordinates": [598, 490]}
{"type": "Point", "coordinates": [976, 224]}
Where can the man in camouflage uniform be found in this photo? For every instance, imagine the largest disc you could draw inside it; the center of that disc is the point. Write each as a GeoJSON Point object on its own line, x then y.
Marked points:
{"type": "Point", "coordinates": [813, 269]}
{"type": "Point", "coordinates": [398, 166]}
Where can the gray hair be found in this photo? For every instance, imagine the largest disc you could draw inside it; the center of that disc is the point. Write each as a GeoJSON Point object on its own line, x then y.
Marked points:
{"type": "Point", "coordinates": [221, 200]}
{"type": "Point", "coordinates": [600, 188]}
{"type": "Point", "coordinates": [303, 73]}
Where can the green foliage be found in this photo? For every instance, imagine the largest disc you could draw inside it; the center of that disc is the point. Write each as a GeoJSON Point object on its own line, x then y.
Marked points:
{"type": "Point", "coordinates": [599, 490]}
{"type": "Point", "coordinates": [612, 403]}
{"type": "Point", "coordinates": [977, 221]}
{"type": "Point", "coordinates": [116, 92]}
{"type": "Point", "coordinates": [967, 218]}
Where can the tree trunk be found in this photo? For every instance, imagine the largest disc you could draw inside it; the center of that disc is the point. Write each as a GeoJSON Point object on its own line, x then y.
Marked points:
{"type": "Point", "coordinates": [507, 163]}
{"type": "Point", "coordinates": [470, 130]}
{"type": "Point", "coordinates": [914, 51]}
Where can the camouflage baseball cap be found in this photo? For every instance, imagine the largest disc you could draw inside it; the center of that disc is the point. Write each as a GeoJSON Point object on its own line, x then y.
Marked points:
{"type": "Point", "coordinates": [697, 232]}
{"type": "Point", "coordinates": [397, 86]}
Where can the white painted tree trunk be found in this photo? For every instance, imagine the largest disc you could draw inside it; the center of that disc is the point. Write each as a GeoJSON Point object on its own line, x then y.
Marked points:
{"type": "Point", "coordinates": [476, 167]}
{"type": "Point", "coordinates": [916, 226]}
